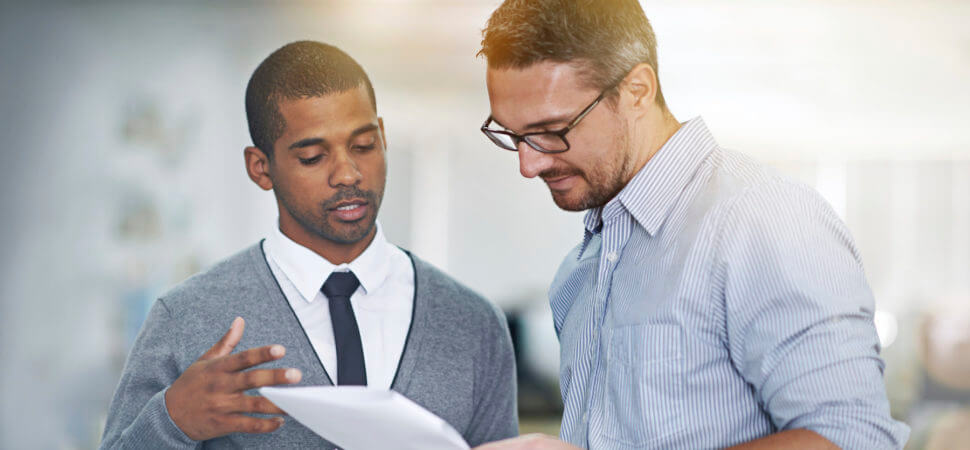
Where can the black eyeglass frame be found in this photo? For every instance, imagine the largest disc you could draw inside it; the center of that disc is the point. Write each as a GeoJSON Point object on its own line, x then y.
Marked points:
{"type": "Point", "coordinates": [561, 133]}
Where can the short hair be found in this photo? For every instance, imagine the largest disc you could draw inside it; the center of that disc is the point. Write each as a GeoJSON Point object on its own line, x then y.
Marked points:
{"type": "Point", "coordinates": [297, 70]}
{"type": "Point", "coordinates": [606, 38]}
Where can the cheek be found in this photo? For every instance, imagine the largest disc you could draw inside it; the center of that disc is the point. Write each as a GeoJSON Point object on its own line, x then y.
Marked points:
{"type": "Point", "coordinates": [603, 151]}
{"type": "Point", "coordinates": [308, 184]}
{"type": "Point", "coordinates": [586, 157]}
{"type": "Point", "coordinates": [303, 184]}
{"type": "Point", "coordinates": [374, 169]}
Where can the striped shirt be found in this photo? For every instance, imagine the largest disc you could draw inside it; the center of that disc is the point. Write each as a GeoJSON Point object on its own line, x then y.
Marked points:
{"type": "Point", "coordinates": [712, 302]}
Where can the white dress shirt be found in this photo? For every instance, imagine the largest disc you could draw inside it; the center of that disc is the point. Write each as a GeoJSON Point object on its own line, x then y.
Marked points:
{"type": "Point", "coordinates": [382, 304]}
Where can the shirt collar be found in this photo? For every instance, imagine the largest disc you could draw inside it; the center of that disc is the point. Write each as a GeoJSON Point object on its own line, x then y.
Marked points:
{"type": "Point", "coordinates": [308, 271]}
{"type": "Point", "coordinates": [650, 195]}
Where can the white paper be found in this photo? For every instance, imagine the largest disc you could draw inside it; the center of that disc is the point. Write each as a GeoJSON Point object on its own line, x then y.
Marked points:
{"type": "Point", "coordinates": [361, 418]}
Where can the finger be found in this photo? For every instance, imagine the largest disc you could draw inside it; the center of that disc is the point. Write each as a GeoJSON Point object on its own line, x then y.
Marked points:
{"type": "Point", "coordinates": [256, 405]}
{"type": "Point", "coordinates": [249, 358]}
{"type": "Point", "coordinates": [507, 444]}
{"type": "Point", "coordinates": [228, 340]}
{"type": "Point", "coordinates": [266, 377]}
{"type": "Point", "coordinates": [241, 423]}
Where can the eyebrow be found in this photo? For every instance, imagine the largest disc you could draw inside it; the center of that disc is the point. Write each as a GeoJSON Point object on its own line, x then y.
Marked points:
{"type": "Point", "coordinates": [540, 124]}
{"type": "Point", "coordinates": [310, 142]}
{"type": "Point", "coordinates": [547, 122]}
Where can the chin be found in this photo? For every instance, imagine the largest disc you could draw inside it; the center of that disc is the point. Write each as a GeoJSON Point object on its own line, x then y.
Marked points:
{"type": "Point", "coordinates": [568, 202]}
{"type": "Point", "coordinates": [346, 233]}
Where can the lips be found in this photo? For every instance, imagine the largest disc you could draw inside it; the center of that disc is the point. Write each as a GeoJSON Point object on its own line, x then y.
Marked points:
{"type": "Point", "coordinates": [560, 183]}
{"type": "Point", "coordinates": [350, 210]}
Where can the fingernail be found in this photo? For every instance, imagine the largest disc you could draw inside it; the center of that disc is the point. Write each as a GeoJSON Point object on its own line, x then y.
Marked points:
{"type": "Point", "coordinates": [293, 375]}
{"type": "Point", "coordinates": [235, 321]}
{"type": "Point", "coordinates": [279, 420]}
{"type": "Point", "coordinates": [277, 351]}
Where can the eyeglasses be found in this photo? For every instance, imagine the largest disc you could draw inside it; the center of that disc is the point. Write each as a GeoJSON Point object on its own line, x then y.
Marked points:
{"type": "Point", "coordinates": [543, 141]}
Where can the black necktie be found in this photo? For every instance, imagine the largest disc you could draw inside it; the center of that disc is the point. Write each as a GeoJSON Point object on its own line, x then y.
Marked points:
{"type": "Point", "coordinates": [350, 355]}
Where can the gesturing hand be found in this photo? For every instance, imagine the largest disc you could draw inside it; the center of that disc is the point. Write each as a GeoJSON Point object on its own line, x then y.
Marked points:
{"type": "Point", "coordinates": [208, 399]}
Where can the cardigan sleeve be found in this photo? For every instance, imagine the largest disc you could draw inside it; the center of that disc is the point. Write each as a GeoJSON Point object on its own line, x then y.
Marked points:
{"type": "Point", "coordinates": [495, 415]}
{"type": "Point", "coordinates": [138, 416]}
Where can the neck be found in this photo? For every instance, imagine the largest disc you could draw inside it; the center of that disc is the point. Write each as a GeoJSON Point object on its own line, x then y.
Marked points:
{"type": "Point", "coordinates": [335, 252]}
{"type": "Point", "coordinates": [650, 135]}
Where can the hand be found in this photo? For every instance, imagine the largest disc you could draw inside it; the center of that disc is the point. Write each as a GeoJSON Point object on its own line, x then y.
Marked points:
{"type": "Point", "coordinates": [529, 442]}
{"type": "Point", "coordinates": [208, 399]}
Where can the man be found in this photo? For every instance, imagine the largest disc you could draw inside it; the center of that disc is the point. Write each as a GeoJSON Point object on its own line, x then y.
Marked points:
{"type": "Point", "coordinates": [710, 302]}
{"type": "Point", "coordinates": [336, 302]}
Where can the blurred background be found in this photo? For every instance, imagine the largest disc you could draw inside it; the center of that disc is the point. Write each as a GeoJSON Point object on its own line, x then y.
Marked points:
{"type": "Point", "coordinates": [122, 128]}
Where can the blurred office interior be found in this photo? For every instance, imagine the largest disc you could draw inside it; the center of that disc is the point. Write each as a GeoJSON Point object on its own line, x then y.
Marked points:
{"type": "Point", "coordinates": [123, 129]}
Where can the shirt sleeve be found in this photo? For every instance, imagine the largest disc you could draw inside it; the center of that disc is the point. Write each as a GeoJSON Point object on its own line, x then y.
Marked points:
{"type": "Point", "coordinates": [496, 408]}
{"type": "Point", "coordinates": [138, 416]}
{"type": "Point", "coordinates": [800, 318]}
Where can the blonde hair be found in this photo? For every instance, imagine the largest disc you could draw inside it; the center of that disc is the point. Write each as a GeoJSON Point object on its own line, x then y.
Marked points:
{"type": "Point", "coordinates": [604, 38]}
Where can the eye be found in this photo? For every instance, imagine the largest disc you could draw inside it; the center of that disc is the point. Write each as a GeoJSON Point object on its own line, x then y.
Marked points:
{"type": "Point", "coordinates": [365, 146]}
{"type": "Point", "coordinates": [310, 161]}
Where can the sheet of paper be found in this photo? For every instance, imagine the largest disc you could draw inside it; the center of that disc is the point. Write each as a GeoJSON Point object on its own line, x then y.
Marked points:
{"type": "Point", "coordinates": [361, 418]}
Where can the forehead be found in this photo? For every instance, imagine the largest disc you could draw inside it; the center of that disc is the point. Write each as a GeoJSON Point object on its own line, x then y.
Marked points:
{"type": "Point", "coordinates": [542, 90]}
{"type": "Point", "coordinates": [333, 114]}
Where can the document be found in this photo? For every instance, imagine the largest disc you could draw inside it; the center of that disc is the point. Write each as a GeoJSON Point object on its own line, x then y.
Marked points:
{"type": "Point", "coordinates": [361, 418]}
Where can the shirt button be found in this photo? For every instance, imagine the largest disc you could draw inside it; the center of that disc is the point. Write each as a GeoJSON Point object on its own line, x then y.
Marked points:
{"type": "Point", "coordinates": [585, 417]}
{"type": "Point", "coordinates": [611, 257]}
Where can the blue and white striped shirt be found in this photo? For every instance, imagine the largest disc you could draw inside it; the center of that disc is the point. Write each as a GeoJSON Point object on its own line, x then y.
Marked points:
{"type": "Point", "coordinates": [711, 303]}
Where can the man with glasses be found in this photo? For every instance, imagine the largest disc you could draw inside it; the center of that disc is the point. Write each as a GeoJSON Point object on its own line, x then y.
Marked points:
{"type": "Point", "coordinates": [710, 302]}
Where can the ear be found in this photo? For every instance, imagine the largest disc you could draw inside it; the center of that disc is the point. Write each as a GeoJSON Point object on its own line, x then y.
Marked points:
{"type": "Point", "coordinates": [380, 123]}
{"type": "Point", "coordinates": [257, 166]}
{"type": "Point", "coordinates": [641, 82]}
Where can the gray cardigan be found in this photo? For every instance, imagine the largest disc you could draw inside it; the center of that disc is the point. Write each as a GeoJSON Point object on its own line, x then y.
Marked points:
{"type": "Point", "coordinates": [457, 361]}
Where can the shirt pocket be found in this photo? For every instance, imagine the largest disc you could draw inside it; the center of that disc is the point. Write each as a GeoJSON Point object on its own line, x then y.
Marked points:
{"type": "Point", "coordinates": [643, 402]}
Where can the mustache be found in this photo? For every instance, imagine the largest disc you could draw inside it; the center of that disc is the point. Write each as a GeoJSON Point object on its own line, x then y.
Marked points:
{"type": "Point", "coordinates": [559, 172]}
{"type": "Point", "coordinates": [349, 193]}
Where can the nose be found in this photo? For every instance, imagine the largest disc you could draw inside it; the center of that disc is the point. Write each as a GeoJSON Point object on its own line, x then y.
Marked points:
{"type": "Point", "coordinates": [531, 161]}
{"type": "Point", "coordinates": [345, 172]}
